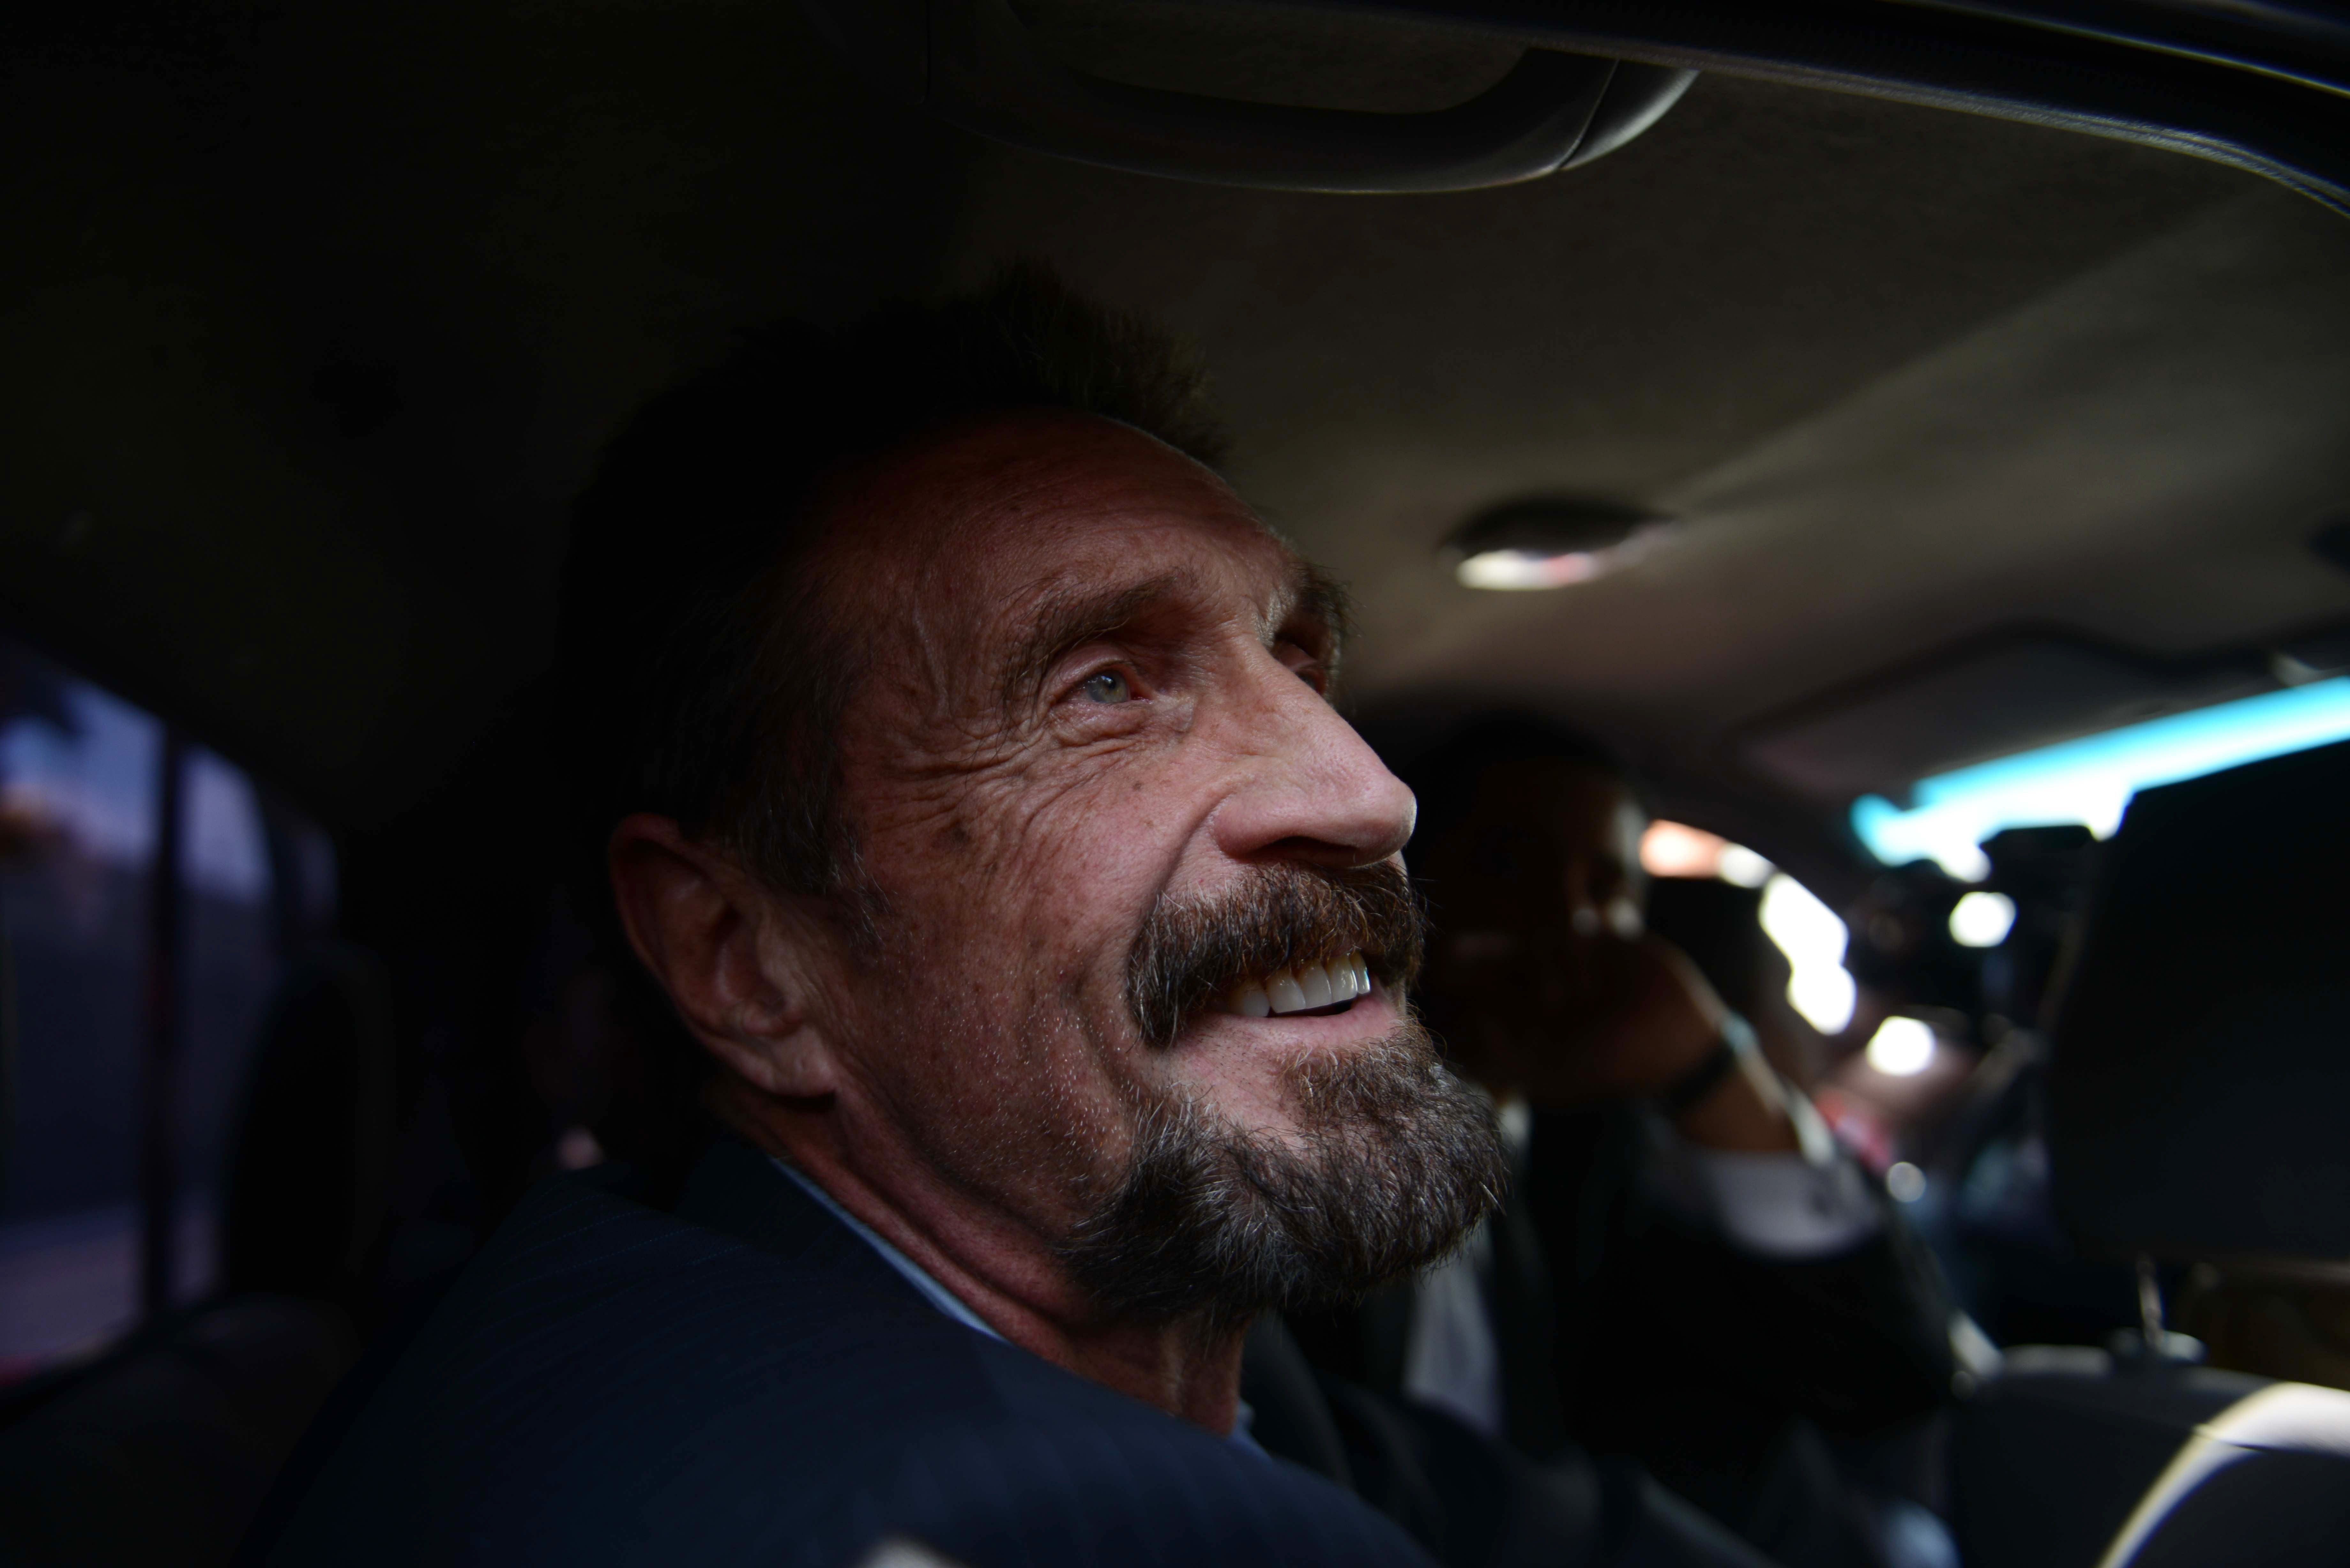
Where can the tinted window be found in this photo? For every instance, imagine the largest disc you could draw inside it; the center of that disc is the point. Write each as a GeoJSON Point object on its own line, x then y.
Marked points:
{"type": "Point", "coordinates": [80, 793]}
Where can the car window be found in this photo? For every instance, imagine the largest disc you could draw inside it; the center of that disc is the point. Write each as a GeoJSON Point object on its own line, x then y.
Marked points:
{"type": "Point", "coordinates": [84, 1163]}
{"type": "Point", "coordinates": [2090, 780]}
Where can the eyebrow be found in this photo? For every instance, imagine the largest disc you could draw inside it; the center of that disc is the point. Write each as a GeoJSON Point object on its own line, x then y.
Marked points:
{"type": "Point", "coordinates": [1322, 599]}
{"type": "Point", "coordinates": [1070, 619]}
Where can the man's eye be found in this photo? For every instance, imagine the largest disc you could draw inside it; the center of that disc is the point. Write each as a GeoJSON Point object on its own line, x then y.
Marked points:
{"type": "Point", "coordinates": [1106, 685]}
{"type": "Point", "coordinates": [1305, 666]}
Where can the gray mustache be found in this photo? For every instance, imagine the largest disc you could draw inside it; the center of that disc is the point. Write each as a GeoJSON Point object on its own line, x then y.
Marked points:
{"type": "Point", "coordinates": [1193, 950]}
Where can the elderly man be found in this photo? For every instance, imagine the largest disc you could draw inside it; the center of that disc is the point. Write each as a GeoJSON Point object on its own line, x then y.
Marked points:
{"type": "Point", "coordinates": [960, 749]}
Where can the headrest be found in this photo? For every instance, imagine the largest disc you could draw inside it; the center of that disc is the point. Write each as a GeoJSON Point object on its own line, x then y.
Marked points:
{"type": "Point", "coordinates": [2199, 1089]}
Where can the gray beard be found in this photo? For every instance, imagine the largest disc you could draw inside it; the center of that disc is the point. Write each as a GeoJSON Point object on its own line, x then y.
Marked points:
{"type": "Point", "coordinates": [1393, 1163]}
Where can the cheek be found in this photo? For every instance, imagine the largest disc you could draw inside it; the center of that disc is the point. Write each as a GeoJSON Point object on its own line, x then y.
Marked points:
{"type": "Point", "coordinates": [1073, 844]}
{"type": "Point", "coordinates": [1011, 913]}
{"type": "Point", "coordinates": [1003, 1094]}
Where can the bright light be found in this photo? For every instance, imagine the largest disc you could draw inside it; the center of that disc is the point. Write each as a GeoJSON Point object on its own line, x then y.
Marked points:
{"type": "Point", "coordinates": [1520, 569]}
{"type": "Point", "coordinates": [1981, 920]}
{"type": "Point", "coordinates": [1902, 1047]}
{"type": "Point", "coordinates": [2091, 780]}
{"type": "Point", "coordinates": [1677, 849]}
{"type": "Point", "coordinates": [1904, 1181]}
{"type": "Point", "coordinates": [1814, 939]}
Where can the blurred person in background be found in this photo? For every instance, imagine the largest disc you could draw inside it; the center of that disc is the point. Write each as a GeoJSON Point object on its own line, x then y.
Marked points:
{"type": "Point", "coordinates": [1985, 1201]}
{"type": "Point", "coordinates": [1687, 1269]}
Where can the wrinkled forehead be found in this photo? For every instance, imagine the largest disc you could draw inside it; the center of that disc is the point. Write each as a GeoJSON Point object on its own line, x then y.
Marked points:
{"type": "Point", "coordinates": [985, 549]}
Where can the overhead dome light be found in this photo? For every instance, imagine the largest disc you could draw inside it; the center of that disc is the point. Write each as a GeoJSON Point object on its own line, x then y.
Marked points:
{"type": "Point", "coordinates": [1551, 543]}
{"type": "Point", "coordinates": [1509, 569]}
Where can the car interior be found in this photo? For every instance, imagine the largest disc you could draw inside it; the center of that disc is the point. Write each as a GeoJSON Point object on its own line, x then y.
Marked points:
{"type": "Point", "coordinates": [1821, 404]}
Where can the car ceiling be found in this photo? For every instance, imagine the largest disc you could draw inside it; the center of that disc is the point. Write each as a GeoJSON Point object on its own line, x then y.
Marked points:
{"type": "Point", "coordinates": [316, 324]}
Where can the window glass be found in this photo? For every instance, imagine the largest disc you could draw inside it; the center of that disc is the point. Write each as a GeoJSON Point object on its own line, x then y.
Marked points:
{"type": "Point", "coordinates": [1811, 935]}
{"type": "Point", "coordinates": [79, 788]}
{"type": "Point", "coordinates": [2090, 780]}
{"type": "Point", "coordinates": [230, 960]}
{"type": "Point", "coordinates": [78, 777]}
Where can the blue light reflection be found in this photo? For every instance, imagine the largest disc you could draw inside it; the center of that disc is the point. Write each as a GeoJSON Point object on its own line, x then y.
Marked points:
{"type": "Point", "coordinates": [2091, 780]}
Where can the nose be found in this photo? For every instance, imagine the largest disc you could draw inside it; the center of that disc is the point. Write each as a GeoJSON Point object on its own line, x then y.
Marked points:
{"type": "Point", "coordinates": [1310, 789]}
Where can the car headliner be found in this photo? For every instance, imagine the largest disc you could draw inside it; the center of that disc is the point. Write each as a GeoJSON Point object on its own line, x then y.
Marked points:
{"type": "Point", "coordinates": [314, 325]}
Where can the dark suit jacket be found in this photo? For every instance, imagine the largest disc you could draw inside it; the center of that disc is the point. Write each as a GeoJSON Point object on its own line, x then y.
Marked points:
{"type": "Point", "coordinates": [1752, 1385]}
{"type": "Point", "coordinates": [1651, 1309]}
{"type": "Point", "coordinates": [1734, 1379]}
{"type": "Point", "coordinates": [741, 1380]}
{"type": "Point", "coordinates": [1368, 1345]}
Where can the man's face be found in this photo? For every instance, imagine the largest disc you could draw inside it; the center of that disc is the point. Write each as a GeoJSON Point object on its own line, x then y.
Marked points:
{"type": "Point", "coordinates": [1110, 819]}
{"type": "Point", "coordinates": [1546, 846]}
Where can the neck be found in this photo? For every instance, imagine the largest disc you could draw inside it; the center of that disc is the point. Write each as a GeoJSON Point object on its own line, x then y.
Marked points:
{"type": "Point", "coordinates": [1002, 1268]}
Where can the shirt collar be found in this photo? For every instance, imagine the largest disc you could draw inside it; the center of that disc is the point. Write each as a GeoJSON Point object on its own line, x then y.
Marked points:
{"type": "Point", "coordinates": [937, 1294]}
{"type": "Point", "coordinates": [947, 1302]}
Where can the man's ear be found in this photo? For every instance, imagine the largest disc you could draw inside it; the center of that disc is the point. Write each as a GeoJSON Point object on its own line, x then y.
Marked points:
{"type": "Point", "coordinates": [727, 950]}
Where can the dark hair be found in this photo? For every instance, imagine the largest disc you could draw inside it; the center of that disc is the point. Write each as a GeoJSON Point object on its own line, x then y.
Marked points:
{"type": "Point", "coordinates": [705, 672]}
{"type": "Point", "coordinates": [1444, 776]}
{"type": "Point", "coordinates": [705, 665]}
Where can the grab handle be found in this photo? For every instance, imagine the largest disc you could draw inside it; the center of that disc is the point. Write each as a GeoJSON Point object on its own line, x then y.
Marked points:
{"type": "Point", "coordinates": [974, 64]}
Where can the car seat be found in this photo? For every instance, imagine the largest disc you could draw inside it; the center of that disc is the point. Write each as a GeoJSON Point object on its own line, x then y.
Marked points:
{"type": "Point", "coordinates": [2199, 1078]}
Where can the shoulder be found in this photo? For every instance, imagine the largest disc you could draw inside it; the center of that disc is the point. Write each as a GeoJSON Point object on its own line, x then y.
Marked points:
{"type": "Point", "coordinates": [609, 1383]}
{"type": "Point", "coordinates": [1056, 1467]}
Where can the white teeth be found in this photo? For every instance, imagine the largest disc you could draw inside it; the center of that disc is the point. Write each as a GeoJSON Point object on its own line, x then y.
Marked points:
{"type": "Point", "coordinates": [1286, 995]}
{"type": "Point", "coordinates": [1301, 989]}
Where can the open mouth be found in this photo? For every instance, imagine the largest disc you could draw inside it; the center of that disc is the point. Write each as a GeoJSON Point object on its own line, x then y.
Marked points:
{"type": "Point", "coordinates": [1308, 990]}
